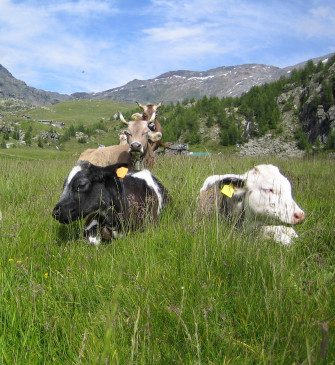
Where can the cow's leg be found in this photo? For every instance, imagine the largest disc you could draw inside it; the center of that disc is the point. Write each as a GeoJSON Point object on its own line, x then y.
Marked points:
{"type": "Point", "coordinates": [92, 231]}
{"type": "Point", "coordinates": [281, 234]}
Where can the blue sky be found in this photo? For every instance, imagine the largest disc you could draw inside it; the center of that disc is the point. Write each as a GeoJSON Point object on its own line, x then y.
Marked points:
{"type": "Point", "coordinates": [95, 45]}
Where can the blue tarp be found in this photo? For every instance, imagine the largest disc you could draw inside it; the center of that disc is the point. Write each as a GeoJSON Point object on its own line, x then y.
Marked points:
{"type": "Point", "coordinates": [201, 153]}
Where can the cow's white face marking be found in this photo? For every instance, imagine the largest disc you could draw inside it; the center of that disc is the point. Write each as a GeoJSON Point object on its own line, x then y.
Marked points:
{"type": "Point", "coordinates": [71, 175]}
{"type": "Point", "coordinates": [146, 175]}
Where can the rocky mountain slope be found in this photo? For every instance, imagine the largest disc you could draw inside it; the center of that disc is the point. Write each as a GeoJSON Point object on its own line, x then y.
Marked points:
{"type": "Point", "coordinates": [169, 87]}
{"type": "Point", "coordinates": [10, 87]}
{"type": "Point", "coordinates": [176, 86]}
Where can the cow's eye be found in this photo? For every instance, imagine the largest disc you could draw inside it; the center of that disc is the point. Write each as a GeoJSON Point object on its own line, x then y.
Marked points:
{"type": "Point", "coordinates": [270, 191]}
{"type": "Point", "coordinates": [82, 185]}
{"type": "Point", "coordinates": [127, 133]}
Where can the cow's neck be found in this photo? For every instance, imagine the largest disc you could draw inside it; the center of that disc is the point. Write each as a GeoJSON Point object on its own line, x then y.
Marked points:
{"type": "Point", "coordinates": [136, 161]}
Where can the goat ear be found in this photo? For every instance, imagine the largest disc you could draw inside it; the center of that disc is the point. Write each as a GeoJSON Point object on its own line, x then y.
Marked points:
{"type": "Point", "coordinates": [155, 136]}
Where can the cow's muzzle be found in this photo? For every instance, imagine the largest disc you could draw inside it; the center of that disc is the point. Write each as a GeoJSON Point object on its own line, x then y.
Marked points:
{"type": "Point", "coordinates": [63, 217]}
{"type": "Point", "coordinates": [136, 147]}
{"type": "Point", "coordinates": [298, 217]}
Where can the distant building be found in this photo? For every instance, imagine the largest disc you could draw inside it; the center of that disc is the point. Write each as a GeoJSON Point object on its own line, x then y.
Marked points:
{"type": "Point", "coordinates": [54, 124]}
{"type": "Point", "coordinates": [47, 122]}
{"type": "Point", "coordinates": [58, 124]}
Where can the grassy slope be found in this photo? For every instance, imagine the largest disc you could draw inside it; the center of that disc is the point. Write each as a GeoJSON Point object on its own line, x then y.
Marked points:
{"type": "Point", "coordinates": [190, 290]}
{"type": "Point", "coordinates": [76, 112]}
{"type": "Point", "coordinates": [79, 111]}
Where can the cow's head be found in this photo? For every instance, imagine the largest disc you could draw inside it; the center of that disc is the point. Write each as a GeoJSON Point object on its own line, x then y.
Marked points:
{"type": "Point", "coordinates": [268, 194]}
{"type": "Point", "coordinates": [138, 134]}
{"type": "Point", "coordinates": [150, 111]}
{"type": "Point", "coordinates": [88, 189]}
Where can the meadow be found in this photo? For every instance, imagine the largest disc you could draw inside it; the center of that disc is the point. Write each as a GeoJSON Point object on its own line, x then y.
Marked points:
{"type": "Point", "coordinates": [190, 290]}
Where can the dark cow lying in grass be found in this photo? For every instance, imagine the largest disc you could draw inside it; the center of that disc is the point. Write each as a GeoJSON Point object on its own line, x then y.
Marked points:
{"type": "Point", "coordinates": [260, 195]}
{"type": "Point", "coordinates": [115, 204]}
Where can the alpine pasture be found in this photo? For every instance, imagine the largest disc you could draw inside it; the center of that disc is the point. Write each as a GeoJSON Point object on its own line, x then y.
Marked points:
{"type": "Point", "coordinates": [190, 290]}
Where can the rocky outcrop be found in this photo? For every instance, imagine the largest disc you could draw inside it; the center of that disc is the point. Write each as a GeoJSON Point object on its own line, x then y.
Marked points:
{"type": "Point", "coordinates": [268, 145]}
{"type": "Point", "coordinates": [317, 119]}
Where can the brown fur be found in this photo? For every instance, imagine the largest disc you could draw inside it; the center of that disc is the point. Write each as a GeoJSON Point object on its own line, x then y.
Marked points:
{"type": "Point", "coordinates": [107, 155]}
{"type": "Point", "coordinates": [148, 111]}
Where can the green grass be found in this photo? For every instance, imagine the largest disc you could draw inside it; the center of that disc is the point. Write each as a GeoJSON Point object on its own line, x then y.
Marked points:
{"type": "Point", "coordinates": [190, 290]}
{"type": "Point", "coordinates": [86, 112]}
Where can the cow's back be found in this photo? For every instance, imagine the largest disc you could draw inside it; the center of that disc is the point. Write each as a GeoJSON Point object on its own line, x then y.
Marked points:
{"type": "Point", "coordinates": [106, 156]}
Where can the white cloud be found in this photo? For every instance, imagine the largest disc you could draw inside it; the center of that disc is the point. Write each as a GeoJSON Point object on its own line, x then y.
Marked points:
{"type": "Point", "coordinates": [318, 22]}
{"type": "Point", "coordinates": [49, 43]}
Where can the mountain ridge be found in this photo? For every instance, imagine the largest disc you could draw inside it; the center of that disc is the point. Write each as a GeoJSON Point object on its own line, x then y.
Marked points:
{"type": "Point", "coordinates": [171, 86]}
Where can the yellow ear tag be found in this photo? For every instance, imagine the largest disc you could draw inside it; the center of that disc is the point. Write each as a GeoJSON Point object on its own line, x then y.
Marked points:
{"type": "Point", "coordinates": [121, 172]}
{"type": "Point", "coordinates": [135, 117]}
{"type": "Point", "coordinates": [228, 190]}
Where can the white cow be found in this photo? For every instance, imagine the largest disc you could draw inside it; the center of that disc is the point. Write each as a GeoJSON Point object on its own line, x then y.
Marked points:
{"type": "Point", "coordinates": [262, 194]}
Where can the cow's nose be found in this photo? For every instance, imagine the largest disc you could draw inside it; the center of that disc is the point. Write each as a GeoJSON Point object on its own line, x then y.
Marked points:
{"type": "Point", "coordinates": [136, 147]}
{"type": "Point", "coordinates": [298, 217]}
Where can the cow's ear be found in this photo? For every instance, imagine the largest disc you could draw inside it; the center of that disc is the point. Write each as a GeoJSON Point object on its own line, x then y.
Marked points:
{"type": "Point", "coordinates": [232, 186]}
{"type": "Point", "coordinates": [155, 136]}
{"type": "Point", "coordinates": [116, 170]}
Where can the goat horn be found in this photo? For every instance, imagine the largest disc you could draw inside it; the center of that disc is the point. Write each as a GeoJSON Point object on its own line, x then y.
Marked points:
{"type": "Point", "coordinates": [140, 105]}
{"type": "Point", "coordinates": [123, 120]}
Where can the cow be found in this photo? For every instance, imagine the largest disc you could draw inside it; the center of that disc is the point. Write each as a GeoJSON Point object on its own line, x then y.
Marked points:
{"type": "Point", "coordinates": [135, 150]}
{"type": "Point", "coordinates": [262, 194]}
{"type": "Point", "coordinates": [116, 203]}
{"type": "Point", "coordinates": [140, 140]}
{"type": "Point", "coordinates": [149, 114]}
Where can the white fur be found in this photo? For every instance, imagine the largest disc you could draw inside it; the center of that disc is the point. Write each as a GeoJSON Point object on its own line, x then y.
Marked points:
{"type": "Point", "coordinates": [71, 175]}
{"type": "Point", "coordinates": [94, 240]}
{"type": "Point", "coordinates": [93, 223]}
{"type": "Point", "coordinates": [212, 180]}
{"type": "Point", "coordinates": [146, 176]}
{"type": "Point", "coordinates": [268, 194]}
{"type": "Point", "coordinates": [280, 234]}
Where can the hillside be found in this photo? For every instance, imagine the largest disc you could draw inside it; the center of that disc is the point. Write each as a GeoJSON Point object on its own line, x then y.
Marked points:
{"type": "Point", "coordinates": [169, 87]}
{"type": "Point", "coordinates": [10, 87]}
{"type": "Point", "coordinates": [62, 126]}
{"type": "Point", "coordinates": [285, 117]}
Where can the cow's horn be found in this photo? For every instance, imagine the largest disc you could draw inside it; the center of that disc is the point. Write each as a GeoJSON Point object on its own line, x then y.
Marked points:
{"type": "Point", "coordinates": [123, 120]}
{"type": "Point", "coordinates": [140, 105]}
